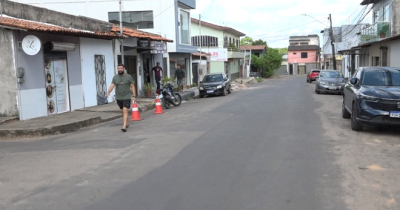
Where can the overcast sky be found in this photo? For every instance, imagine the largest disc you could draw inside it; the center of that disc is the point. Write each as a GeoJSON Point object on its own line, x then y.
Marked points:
{"type": "Point", "coordinates": [274, 21]}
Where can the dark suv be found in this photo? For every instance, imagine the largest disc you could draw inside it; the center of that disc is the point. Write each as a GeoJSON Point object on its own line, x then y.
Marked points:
{"type": "Point", "coordinates": [215, 84]}
{"type": "Point", "coordinates": [372, 97]}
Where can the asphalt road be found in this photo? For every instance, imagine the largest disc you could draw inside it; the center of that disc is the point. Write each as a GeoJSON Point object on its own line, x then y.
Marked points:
{"type": "Point", "coordinates": [274, 146]}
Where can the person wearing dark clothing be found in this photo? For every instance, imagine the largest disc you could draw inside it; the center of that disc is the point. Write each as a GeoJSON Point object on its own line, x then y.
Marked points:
{"type": "Point", "coordinates": [157, 70]}
{"type": "Point", "coordinates": [179, 75]}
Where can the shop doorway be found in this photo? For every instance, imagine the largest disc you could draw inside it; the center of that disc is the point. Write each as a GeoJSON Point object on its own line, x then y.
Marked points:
{"type": "Point", "coordinates": [130, 66]}
{"type": "Point", "coordinates": [195, 72]}
{"type": "Point", "coordinates": [56, 78]}
{"type": "Point", "coordinates": [101, 82]}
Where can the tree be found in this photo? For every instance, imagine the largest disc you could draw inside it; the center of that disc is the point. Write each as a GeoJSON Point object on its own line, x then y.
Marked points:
{"type": "Point", "coordinates": [283, 50]}
{"type": "Point", "coordinates": [246, 41]}
{"type": "Point", "coordinates": [260, 42]}
{"type": "Point", "coordinates": [267, 63]}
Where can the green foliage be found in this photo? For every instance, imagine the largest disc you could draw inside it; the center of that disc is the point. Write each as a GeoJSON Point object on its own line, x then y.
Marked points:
{"type": "Point", "coordinates": [259, 79]}
{"type": "Point", "coordinates": [234, 48]}
{"type": "Point", "coordinates": [267, 63]}
{"type": "Point", "coordinates": [384, 29]}
{"type": "Point", "coordinates": [260, 42]}
{"type": "Point", "coordinates": [246, 41]}
{"type": "Point", "coordinates": [283, 50]}
{"type": "Point", "coordinates": [194, 85]}
{"type": "Point", "coordinates": [165, 80]}
{"type": "Point", "coordinates": [148, 87]}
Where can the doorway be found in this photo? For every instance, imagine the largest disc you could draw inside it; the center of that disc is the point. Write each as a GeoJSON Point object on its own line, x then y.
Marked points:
{"type": "Point", "coordinates": [301, 70]}
{"type": "Point", "coordinates": [195, 72]}
{"type": "Point", "coordinates": [130, 66]}
{"type": "Point", "coordinates": [291, 69]}
{"type": "Point", "coordinates": [57, 88]}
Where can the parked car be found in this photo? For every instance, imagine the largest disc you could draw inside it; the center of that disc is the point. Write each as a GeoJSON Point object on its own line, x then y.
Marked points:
{"type": "Point", "coordinates": [215, 84]}
{"type": "Point", "coordinates": [312, 75]}
{"type": "Point", "coordinates": [372, 97]}
{"type": "Point", "coordinates": [330, 81]}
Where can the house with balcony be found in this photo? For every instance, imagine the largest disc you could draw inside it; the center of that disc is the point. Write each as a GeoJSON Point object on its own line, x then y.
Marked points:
{"type": "Point", "coordinates": [380, 39]}
{"type": "Point", "coordinates": [167, 18]}
{"type": "Point", "coordinates": [303, 54]}
{"type": "Point", "coordinates": [221, 43]}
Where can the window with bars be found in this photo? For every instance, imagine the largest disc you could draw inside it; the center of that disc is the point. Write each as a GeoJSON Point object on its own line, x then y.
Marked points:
{"type": "Point", "coordinates": [206, 41]}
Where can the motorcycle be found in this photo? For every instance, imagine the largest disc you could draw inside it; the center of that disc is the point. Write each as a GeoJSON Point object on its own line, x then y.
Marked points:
{"type": "Point", "coordinates": [168, 97]}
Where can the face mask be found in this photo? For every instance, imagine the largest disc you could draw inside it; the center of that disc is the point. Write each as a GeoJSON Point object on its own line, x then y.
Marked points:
{"type": "Point", "coordinates": [120, 72]}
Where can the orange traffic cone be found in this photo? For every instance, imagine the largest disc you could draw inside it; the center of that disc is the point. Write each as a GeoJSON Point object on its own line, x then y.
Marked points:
{"type": "Point", "coordinates": [158, 107]}
{"type": "Point", "coordinates": [135, 113]}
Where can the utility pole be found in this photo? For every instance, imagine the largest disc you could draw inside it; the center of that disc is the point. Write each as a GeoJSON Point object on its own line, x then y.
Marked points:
{"type": "Point", "coordinates": [200, 37]}
{"type": "Point", "coordinates": [332, 41]}
{"type": "Point", "coordinates": [121, 31]}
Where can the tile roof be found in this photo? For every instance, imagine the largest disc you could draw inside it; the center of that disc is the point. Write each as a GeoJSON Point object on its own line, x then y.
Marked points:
{"type": "Point", "coordinates": [44, 27]}
{"type": "Point", "coordinates": [252, 47]}
{"type": "Point", "coordinates": [140, 34]}
{"type": "Point", "coordinates": [218, 27]}
{"type": "Point", "coordinates": [202, 54]}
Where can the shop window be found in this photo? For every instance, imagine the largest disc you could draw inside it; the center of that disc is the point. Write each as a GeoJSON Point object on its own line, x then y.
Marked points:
{"type": "Point", "coordinates": [133, 19]}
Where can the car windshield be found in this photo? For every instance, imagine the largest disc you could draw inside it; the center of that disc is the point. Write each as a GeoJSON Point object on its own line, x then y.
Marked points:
{"type": "Point", "coordinates": [381, 78]}
{"type": "Point", "coordinates": [331, 74]}
{"type": "Point", "coordinates": [213, 78]}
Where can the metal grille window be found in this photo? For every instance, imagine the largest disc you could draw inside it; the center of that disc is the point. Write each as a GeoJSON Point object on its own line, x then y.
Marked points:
{"type": "Point", "coordinates": [100, 72]}
{"type": "Point", "coordinates": [133, 19]}
{"type": "Point", "coordinates": [206, 41]}
{"type": "Point", "coordinates": [304, 55]}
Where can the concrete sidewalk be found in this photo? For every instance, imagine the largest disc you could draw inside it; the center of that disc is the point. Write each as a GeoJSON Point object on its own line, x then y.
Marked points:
{"type": "Point", "coordinates": [67, 122]}
{"type": "Point", "coordinates": [75, 120]}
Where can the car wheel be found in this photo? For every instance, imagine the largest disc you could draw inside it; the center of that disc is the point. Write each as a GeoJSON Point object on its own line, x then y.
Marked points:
{"type": "Point", "coordinates": [345, 114]}
{"type": "Point", "coordinates": [229, 90]}
{"type": "Point", "coordinates": [317, 91]}
{"type": "Point", "coordinates": [224, 92]}
{"type": "Point", "coordinates": [355, 125]}
{"type": "Point", "coordinates": [201, 96]}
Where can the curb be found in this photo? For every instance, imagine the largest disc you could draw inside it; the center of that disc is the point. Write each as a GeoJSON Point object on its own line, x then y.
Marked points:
{"type": "Point", "coordinates": [53, 130]}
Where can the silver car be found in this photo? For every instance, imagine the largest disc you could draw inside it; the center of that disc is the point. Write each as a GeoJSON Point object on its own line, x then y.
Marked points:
{"type": "Point", "coordinates": [330, 81]}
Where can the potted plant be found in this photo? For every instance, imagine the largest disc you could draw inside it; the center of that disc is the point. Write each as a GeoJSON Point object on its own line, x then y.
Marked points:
{"type": "Point", "coordinates": [383, 31]}
{"type": "Point", "coordinates": [165, 80]}
{"type": "Point", "coordinates": [148, 89]}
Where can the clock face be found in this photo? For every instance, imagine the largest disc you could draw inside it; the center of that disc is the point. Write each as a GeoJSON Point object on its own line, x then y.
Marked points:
{"type": "Point", "coordinates": [31, 45]}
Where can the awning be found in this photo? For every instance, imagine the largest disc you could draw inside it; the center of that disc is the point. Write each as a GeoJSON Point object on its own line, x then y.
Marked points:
{"type": "Point", "coordinates": [355, 50]}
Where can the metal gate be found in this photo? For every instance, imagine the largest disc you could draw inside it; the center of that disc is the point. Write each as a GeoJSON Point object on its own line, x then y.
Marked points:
{"type": "Point", "coordinates": [101, 86]}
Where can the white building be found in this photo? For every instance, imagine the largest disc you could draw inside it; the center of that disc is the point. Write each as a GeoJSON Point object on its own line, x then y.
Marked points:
{"type": "Point", "coordinates": [168, 18]}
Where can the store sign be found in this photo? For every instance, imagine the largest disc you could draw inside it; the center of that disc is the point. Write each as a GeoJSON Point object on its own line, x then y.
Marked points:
{"type": "Point", "coordinates": [158, 47]}
{"type": "Point", "coordinates": [31, 45]}
{"type": "Point", "coordinates": [219, 54]}
{"type": "Point", "coordinates": [143, 43]}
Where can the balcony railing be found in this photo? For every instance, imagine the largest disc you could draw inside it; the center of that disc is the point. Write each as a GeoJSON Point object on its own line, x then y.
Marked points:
{"type": "Point", "coordinates": [375, 32]}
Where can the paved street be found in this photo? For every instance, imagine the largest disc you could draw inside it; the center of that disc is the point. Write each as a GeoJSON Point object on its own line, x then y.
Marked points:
{"type": "Point", "coordinates": [274, 146]}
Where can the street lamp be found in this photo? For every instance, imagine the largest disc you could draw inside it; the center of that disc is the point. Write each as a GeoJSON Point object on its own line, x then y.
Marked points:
{"type": "Point", "coordinates": [315, 19]}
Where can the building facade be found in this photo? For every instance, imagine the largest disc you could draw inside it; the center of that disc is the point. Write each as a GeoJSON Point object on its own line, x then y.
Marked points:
{"type": "Point", "coordinates": [223, 45]}
{"type": "Point", "coordinates": [303, 54]}
{"type": "Point", "coordinates": [167, 18]}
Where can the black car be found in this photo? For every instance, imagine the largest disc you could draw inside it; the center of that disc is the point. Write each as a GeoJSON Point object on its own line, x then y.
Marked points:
{"type": "Point", "coordinates": [372, 97]}
{"type": "Point", "coordinates": [215, 84]}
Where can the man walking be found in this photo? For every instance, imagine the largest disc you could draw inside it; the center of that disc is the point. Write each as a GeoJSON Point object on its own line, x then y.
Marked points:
{"type": "Point", "coordinates": [179, 75]}
{"type": "Point", "coordinates": [157, 73]}
{"type": "Point", "coordinates": [125, 91]}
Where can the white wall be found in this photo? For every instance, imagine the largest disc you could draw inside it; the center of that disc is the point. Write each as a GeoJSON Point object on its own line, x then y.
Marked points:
{"type": "Point", "coordinates": [163, 12]}
{"type": "Point", "coordinates": [90, 48]}
{"type": "Point", "coordinates": [394, 53]}
{"type": "Point", "coordinates": [33, 103]}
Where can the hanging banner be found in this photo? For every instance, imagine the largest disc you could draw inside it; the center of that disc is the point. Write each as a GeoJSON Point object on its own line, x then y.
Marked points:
{"type": "Point", "coordinates": [158, 47]}
{"type": "Point", "coordinates": [219, 54]}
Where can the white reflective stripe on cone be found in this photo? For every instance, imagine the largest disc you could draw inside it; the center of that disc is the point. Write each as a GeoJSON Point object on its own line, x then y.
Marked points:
{"type": "Point", "coordinates": [135, 109]}
{"type": "Point", "coordinates": [158, 103]}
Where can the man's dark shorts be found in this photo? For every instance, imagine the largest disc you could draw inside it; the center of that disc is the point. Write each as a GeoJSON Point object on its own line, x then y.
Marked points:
{"type": "Point", "coordinates": [124, 103]}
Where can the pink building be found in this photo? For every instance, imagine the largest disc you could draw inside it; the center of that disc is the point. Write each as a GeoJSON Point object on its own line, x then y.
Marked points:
{"type": "Point", "coordinates": [303, 54]}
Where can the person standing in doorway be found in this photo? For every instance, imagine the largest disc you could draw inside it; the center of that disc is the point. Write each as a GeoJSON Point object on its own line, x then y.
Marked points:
{"type": "Point", "coordinates": [179, 76]}
{"type": "Point", "coordinates": [157, 74]}
{"type": "Point", "coordinates": [125, 92]}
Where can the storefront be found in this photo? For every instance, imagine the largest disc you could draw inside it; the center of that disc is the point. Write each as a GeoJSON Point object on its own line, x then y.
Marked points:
{"type": "Point", "coordinates": [184, 61]}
